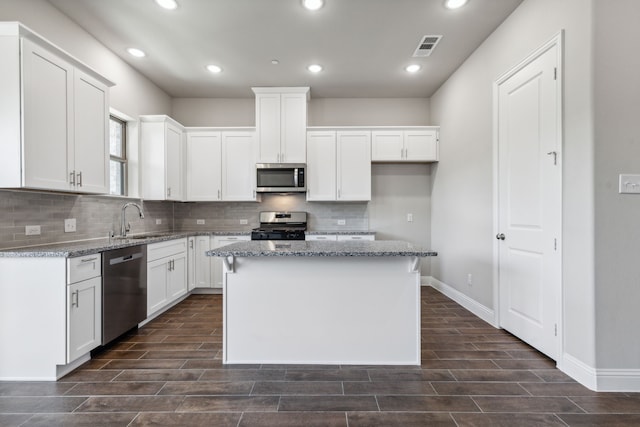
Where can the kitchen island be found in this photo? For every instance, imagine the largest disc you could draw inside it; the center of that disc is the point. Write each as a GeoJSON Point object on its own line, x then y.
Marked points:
{"type": "Point", "coordinates": [310, 302]}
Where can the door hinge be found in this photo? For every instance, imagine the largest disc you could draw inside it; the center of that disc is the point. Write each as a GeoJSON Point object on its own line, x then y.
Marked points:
{"type": "Point", "coordinates": [555, 329]}
{"type": "Point", "coordinates": [555, 73]}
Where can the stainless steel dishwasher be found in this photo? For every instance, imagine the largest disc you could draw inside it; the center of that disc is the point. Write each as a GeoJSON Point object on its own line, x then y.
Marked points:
{"type": "Point", "coordinates": [124, 290]}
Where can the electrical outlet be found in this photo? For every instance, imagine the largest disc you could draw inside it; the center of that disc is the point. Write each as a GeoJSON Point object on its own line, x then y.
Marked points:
{"type": "Point", "coordinates": [244, 222]}
{"type": "Point", "coordinates": [342, 222]}
{"type": "Point", "coordinates": [32, 230]}
{"type": "Point", "coordinates": [200, 221]}
{"type": "Point", "coordinates": [469, 279]}
{"type": "Point", "coordinates": [70, 225]}
{"type": "Point", "coordinates": [409, 217]}
{"type": "Point", "coordinates": [158, 221]}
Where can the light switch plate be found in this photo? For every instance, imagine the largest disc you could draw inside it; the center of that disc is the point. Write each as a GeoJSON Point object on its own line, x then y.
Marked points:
{"type": "Point", "coordinates": [158, 221]}
{"type": "Point", "coordinates": [200, 221]}
{"type": "Point", "coordinates": [342, 222]}
{"type": "Point", "coordinates": [70, 225]}
{"type": "Point", "coordinates": [244, 222]}
{"type": "Point", "coordinates": [629, 184]}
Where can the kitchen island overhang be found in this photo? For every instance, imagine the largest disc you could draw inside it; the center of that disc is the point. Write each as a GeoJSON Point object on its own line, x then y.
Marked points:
{"type": "Point", "coordinates": [309, 302]}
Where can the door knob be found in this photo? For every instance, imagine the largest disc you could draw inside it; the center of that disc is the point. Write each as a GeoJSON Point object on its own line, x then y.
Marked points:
{"type": "Point", "coordinates": [500, 236]}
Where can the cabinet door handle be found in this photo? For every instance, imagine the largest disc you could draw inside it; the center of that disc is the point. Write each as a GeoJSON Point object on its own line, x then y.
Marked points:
{"type": "Point", "coordinates": [338, 193]}
{"type": "Point", "coordinates": [191, 244]}
{"type": "Point", "coordinates": [80, 179]}
{"type": "Point", "coordinates": [89, 259]}
{"type": "Point", "coordinates": [72, 178]}
{"type": "Point", "coordinates": [168, 191]}
{"type": "Point", "coordinates": [77, 298]}
{"type": "Point", "coordinates": [218, 194]}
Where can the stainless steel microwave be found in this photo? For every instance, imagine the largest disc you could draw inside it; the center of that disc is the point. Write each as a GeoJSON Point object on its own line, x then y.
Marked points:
{"type": "Point", "coordinates": [281, 178]}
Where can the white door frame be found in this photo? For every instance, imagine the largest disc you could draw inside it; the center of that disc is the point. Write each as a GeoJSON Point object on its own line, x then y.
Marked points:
{"type": "Point", "coordinates": [558, 41]}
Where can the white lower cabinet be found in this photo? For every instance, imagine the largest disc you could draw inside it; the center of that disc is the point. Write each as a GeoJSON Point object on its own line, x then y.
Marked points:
{"type": "Point", "coordinates": [166, 273]}
{"type": "Point", "coordinates": [216, 262]}
{"type": "Point", "coordinates": [50, 315]}
{"type": "Point", "coordinates": [84, 317]}
{"type": "Point", "coordinates": [202, 265]}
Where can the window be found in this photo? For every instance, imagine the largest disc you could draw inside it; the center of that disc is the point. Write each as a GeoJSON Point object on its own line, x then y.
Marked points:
{"type": "Point", "coordinates": [118, 156]}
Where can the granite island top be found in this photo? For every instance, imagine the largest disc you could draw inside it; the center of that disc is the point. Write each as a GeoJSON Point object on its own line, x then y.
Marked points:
{"type": "Point", "coordinates": [376, 248]}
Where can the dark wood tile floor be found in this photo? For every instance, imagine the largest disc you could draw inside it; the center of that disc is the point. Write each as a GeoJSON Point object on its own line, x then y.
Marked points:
{"type": "Point", "coordinates": [170, 373]}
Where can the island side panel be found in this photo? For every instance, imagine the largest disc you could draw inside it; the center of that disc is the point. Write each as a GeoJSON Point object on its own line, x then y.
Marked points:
{"type": "Point", "coordinates": [322, 310]}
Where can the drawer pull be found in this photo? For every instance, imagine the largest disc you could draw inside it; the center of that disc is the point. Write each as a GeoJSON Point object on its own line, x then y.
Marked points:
{"type": "Point", "coordinates": [89, 259]}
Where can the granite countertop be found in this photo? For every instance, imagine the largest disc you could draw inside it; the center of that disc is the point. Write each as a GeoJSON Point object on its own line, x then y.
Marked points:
{"type": "Point", "coordinates": [88, 247]}
{"type": "Point", "coordinates": [258, 248]}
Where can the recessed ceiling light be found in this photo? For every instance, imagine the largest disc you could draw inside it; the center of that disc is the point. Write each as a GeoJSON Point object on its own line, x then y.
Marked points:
{"type": "Point", "coordinates": [454, 4]}
{"type": "Point", "coordinates": [313, 4]}
{"type": "Point", "coordinates": [413, 68]}
{"type": "Point", "coordinates": [314, 68]}
{"type": "Point", "coordinates": [167, 4]}
{"type": "Point", "coordinates": [136, 52]}
{"type": "Point", "coordinates": [214, 68]}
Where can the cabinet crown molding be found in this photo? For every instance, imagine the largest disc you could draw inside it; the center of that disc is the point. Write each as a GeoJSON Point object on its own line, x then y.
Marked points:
{"type": "Point", "coordinates": [305, 90]}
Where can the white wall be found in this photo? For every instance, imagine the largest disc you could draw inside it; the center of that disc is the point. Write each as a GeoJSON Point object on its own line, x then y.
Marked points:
{"type": "Point", "coordinates": [617, 150]}
{"type": "Point", "coordinates": [133, 94]}
{"type": "Point", "coordinates": [321, 111]}
{"type": "Point", "coordinates": [369, 111]}
{"type": "Point", "coordinates": [462, 198]}
{"type": "Point", "coordinates": [214, 111]}
{"type": "Point", "coordinates": [397, 190]}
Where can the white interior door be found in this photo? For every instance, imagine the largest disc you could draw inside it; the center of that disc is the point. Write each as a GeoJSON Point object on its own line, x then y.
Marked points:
{"type": "Point", "coordinates": [529, 201]}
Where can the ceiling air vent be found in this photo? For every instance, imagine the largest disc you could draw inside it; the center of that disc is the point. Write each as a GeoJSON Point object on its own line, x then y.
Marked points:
{"type": "Point", "coordinates": [426, 46]}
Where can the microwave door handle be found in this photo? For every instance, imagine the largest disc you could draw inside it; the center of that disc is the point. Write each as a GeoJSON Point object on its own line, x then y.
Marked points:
{"type": "Point", "coordinates": [295, 177]}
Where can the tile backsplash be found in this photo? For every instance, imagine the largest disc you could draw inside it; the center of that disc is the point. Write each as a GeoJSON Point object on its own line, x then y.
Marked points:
{"type": "Point", "coordinates": [226, 216]}
{"type": "Point", "coordinates": [96, 216]}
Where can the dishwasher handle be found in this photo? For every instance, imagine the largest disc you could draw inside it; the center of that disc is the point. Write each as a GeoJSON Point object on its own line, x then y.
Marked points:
{"type": "Point", "coordinates": [125, 258]}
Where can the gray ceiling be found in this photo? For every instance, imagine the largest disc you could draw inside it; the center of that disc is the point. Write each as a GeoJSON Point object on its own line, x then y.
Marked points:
{"type": "Point", "coordinates": [363, 45]}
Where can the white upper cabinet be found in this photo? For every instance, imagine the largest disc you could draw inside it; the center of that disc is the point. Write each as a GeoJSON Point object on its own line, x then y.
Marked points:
{"type": "Point", "coordinates": [405, 145]}
{"type": "Point", "coordinates": [220, 165]}
{"type": "Point", "coordinates": [339, 165]}
{"type": "Point", "coordinates": [238, 166]}
{"type": "Point", "coordinates": [55, 135]}
{"type": "Point", "coordinates": [204, 157]}
{"type": "Point", "coordinates": [321, 165]}
{"type": "Point", "coordinates": [281, 124]}
{"type": "Point", "coordinates": [354, 165]}
{"type": "Point", "coordinates": [161, 158]}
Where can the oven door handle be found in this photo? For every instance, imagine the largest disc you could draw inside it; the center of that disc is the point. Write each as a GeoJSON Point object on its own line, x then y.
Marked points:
{"type": "Point", "coordinates": [295, 177]}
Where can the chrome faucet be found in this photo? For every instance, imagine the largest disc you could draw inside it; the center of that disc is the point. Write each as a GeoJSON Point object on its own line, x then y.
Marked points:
{"type": "Point", "coordinates": [124, 228]}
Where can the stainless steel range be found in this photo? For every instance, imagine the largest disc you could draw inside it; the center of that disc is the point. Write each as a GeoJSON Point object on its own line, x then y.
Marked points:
{"type": "Point", "coordinates": [280, 226]}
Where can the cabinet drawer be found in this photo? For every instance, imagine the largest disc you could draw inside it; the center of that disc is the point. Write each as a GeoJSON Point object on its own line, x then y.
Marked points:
{"type": "Point", "coordinates": [83, 268]}
{"type": "Point", "coordinates": [219, 241]}
{"type": "Point", "coordinates": [357, 237]}
{"type": "Point", "coordinates": [318, 237]}
{"type": "Point", "coordinates": [164, 249]}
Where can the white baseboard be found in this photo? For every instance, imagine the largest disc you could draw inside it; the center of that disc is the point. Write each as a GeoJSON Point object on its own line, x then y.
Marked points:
{"type": "Point", "coordinates": [618, 380]}
{"type": "Point", "coordinates": [579, 371]}
{"type": "Point", "coordinates": [470, 304]}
